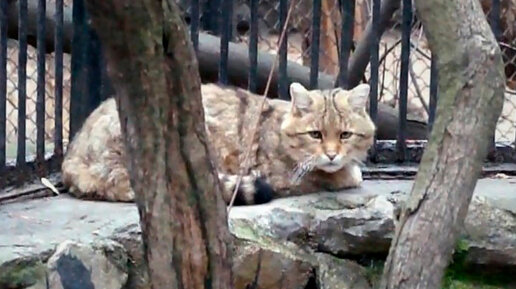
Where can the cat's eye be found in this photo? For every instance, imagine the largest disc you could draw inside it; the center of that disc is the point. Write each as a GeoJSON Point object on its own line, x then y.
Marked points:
{"type": "Point", "coordinates": [345, 135]}
{"type": "Point", "coordinates": [315, 134]}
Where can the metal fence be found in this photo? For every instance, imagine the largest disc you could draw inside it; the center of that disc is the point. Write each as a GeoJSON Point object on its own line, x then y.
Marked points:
{"type": "Point", "coordinates": [51, 78]}
{"type": "Point", "coordinates": [379, 42]}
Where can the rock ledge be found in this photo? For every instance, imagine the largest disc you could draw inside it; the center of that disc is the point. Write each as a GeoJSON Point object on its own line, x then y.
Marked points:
{"type": "Point", "coordinates": [299, 242]}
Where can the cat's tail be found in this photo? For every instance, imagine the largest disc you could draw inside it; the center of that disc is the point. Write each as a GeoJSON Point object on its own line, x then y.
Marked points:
{"type": "Point", "coordinates": [253, 190]}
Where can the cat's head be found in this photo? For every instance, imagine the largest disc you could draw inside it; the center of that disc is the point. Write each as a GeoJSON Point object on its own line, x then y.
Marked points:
{"type": "Point", "coordinates": [328, 129]}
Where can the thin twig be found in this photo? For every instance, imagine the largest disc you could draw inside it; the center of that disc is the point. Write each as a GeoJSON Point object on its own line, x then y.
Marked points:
{"type": "Point", "coordinates": [384, 69]}
{"type": "Point", "coordinates": [413, 77]}
{"type": "Point", "coordinates": [254, 284]}
{"type": "Point", "coordinates": [507, 45]}
{"type": "Point", "coordinates": [418, 50]}
{"type": "Point", "coordinates": [398, 43]}
{"type": "Point", "coordinates": [282, 280]}
{"type": "Point", "coordinates": [397, 68]}
{"type": "Point", "coordinates": [389, 50]}
{"type": "Point", "coordinates": [248, 151]}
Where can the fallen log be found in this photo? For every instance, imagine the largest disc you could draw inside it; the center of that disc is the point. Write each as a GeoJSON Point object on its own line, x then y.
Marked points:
{"type": "Point", "coordinates": [50, 24]}
{"type": "Point", "coordinates": [360, 59]}
{"type": "Point", "coordinates": [208, 56]}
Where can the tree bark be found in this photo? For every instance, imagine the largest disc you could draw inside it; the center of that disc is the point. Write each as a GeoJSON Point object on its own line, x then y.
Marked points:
{"type": "Point", "coordinates": [154, 72]}
{"type": "Point", "coordinates": [471, 86]}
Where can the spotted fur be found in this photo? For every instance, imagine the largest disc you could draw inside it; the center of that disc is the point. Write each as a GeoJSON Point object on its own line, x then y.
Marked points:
{"type": "Point", "coordinates": [314, 142]}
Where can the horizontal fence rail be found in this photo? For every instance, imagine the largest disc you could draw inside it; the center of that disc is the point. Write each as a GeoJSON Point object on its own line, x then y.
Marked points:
{"type": "Point", "coordinates": [49, 85]}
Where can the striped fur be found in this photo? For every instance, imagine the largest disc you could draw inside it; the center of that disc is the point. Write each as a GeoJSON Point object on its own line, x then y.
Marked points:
{"type": "Point", "coordinates": [299, 147]}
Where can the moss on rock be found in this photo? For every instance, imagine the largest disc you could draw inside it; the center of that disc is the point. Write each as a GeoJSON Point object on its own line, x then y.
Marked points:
{"type": "Point", "coordinates": [21, 273]}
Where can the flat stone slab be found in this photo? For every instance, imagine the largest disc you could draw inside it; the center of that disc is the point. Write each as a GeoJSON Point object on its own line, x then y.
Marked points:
{"type": "Point", "coordinates": [36, 227]}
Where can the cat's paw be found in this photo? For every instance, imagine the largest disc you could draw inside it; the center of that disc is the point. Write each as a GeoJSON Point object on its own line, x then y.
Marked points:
{"type": "Point", "coordinates": [354, 177]}
{"type": "Point", "coordinates": [256, 174]}
{"type": "Point", "coordinates": [126, 197]}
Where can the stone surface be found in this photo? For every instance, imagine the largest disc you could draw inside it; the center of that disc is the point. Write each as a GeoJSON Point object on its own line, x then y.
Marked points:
{"type": "Point", "coordinates": [130, 238]}
{"type": "Point", "coordinates": [305, 238]}
{"type": "Point", "coordinates": [490, 234]}
{"type": "Point", "coordinates": [272, 265]}
{"type": "Point", "coordinates": [82, 266]}
{"type": "Point", "coordinates": [360, 221]}
{"type": "Point", "coordinates": [339, 224]}
{"type": "Point", "coordinates": [38, 226]}
{"type": "Point", "coordinates": [334, 273]}
{"type": "Point", "coordinates": [102, 264]}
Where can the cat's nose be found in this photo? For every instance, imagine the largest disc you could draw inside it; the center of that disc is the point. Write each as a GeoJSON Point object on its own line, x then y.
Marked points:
{"type": "Point", "coordinates": [331, 155]}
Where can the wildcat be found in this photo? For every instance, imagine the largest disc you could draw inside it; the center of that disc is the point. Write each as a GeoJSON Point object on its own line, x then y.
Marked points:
{"type": "Point", "coordinates": [313, 142]}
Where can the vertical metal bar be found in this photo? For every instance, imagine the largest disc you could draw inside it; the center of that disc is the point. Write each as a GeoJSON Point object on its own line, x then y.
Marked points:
{"type": "Point", "coordinates": [58, 109]}
{"type": "Point", "coordinates": [253, 47]}
{"type": "Point", "coordinates": [282, 68]}
{"type": "Point", "coordinates": [210, 16]}
{"type": "Point", "coordinates": [224, 40]}
{"type": "Point", "coordinates": [77, 67]}
{"type": "Point", "coordinates": [107, 89]}
{"type": "Point", "coordinates": [494, 17]}
{"type": "Point", "coordinates": [194, 23]}
{"type": "Point", "coordinates": [314, 52]}
{"type": "Point", "coordinates": [375, 51]}
{"type": "Point", "coordinates": [3, 82]}
{"type": "Point", "coordinates": [94, 72]}
{"type": "Point", "coordinates": [433, 92]}
{"type": "Point", "coordinates": [405, 61]}
{"type": "Point", "coordinates": [40, 100]}
{"type": "Point", "coordinates": [22, 81]}
{"type": "Point", "coordinates": [347, 12]}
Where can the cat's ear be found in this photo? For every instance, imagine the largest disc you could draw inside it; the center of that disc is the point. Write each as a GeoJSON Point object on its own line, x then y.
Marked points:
{"type": "Point", "coordinates": [355, 99]}
{"type": "Point", "coordinates": [359, 96]}
{"type": "Point", "coordinates": [300, 96]}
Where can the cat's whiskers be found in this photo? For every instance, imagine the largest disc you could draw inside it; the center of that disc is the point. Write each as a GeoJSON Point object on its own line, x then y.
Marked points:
{"type": "Point", "coordinates": [357, 161]}
{"type": "Point", "coordinates": [302, 169]}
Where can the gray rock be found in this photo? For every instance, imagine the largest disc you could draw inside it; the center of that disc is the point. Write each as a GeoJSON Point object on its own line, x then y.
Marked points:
{"type": "Point", "coordinates": [269, 267]}
{"type": "Point", "coordinates": [361, 221]}
{"type": "Point", "coordinates": [89, 267]}
{"type": "Point", "coordinates": [339, 224]}
{"type": "Point", "coordinates": [272, 265]}
{"type": "Point", "coordinates": [130, 237]}
{"type": "Point", "coordinates": [23, 272]}
{"type": "Point", "coordinates": [334, 273]}
{"type": "Point", "coordinates": [490, 235]}
{"type": "Point", "coordinates": [304, 237]}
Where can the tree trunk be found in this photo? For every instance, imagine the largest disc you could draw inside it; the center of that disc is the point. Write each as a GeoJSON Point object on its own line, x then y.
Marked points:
{"type": "Point", "coordinates": [471, 86]}
{"type": "Point", "coordinates": [154, 72]}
